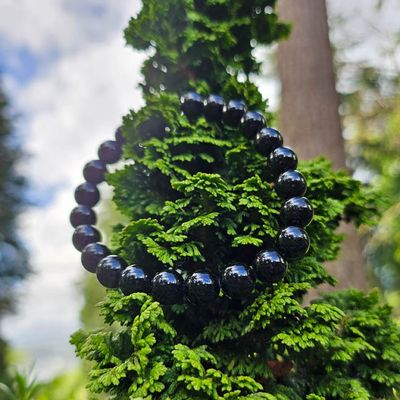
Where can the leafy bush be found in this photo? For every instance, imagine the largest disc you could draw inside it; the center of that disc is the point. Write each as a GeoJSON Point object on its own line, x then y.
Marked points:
{"type": "Point", "coordinates": [198, 195]}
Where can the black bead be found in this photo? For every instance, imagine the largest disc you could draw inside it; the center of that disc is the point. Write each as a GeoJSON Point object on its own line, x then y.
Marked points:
{"type": "Point", "coordinates": [109, 152]}
{"type": "Point", "coordinates": [109, 271]}
{"type": "Point", "coordinates": [82, 215]}
{"type": "Point", "coordinates": [267, 140]}
{"type": "Point", "coordinates": [119, 137]}
{"type": "Point", "coordinates": [192, 105]}
{"type": "Point", "coordinates": [134, 280]}
{"type": "Point", "coordinates": [92, 254]}
{"type": "Point", "coordinates": [237, 281]}
{"type": "Point", "coordinates": [202, 288]}
{"type": "Point", "coordinates": [87, 194]}
{"type": "Point", "coordinates": [83, 235]}
{"type": "Point", "coordinates": [94, 171]}
{"type": "Point", "coordinates": [297, 212]}
{"type": "Point", "coordinates": [293, 242]}
{"type": "Point", "coordinates": [291, 184]}
{"type": "Point", "coordinates": [270, 266]}
{"type": "Point", "coordinates": [252, 123]}
{"type": "Point", "coordinates": [139, 150]}
{"type": "Point", "coordinates": [168, 287]}
{"type": "Point", "coordinates": [233, 112]}
{"type": "Point", "coordinates": [154, 127]}
{"type": "Point", "coordinates": [282, 159]}
{"type": "Point", "coordinates": [213, 11]}
{"type": "Point", "coordinates": [213, 108]}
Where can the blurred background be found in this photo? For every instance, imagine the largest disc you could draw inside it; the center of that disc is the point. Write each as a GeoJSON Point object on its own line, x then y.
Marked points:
{"type": "Point", "coordinates": [66, 80]}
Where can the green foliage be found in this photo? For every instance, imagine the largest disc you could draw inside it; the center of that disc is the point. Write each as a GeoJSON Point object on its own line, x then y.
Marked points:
{"type": "Point", "coordinates": [343, 346]}
{"type": "Point", "coordinates": [68, 386]}
{"type": "Point", "coordinates": [199, 40]}
{"type": "Point", "coordinates": [13, 260]}
{"type": "Point", "coordinates": [13, 255]}
{"type": "Point", "coordinates": [370, 103]}
{"type": "Point", "coordinates": [381, 152]}
{"type": "Point", "coordinates": [377, 144]}
{"type": "Point", "coordinates": [22, 386]}
{"type": "Point", "coordinates": [198, 195]}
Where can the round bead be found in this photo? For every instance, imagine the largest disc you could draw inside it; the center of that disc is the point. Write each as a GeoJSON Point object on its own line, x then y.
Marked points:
{"type": "Point", "coordinates": [282, 159]}
{"type": "Point", "coordinates": [119, 137]}
{"type": "Point", "coordinates": [109, 152]}
{"type": "Point", "coordinates": [87, 194]}
{"type": "Point", "coordinates": [237, 281]}
{"type": "Point", "coordinates": [252, 123]}
{"type": "Point", "coordinates": [109, 271]}
{"type": "Point", "coordinates": [267, 140]}
{"type": "Point", "coordinates": [297, 212]}
{"type": "Point", "coordinates": [202, 288]}
{"type": "Point", "coordinates": [83, 235]}
{"type": "Point", "coordinates": [192, 105]}
{"type": "Point", "coordinates": [168, 287]}
{"type": "Point", "coordinates": [153, 127]}
{"type": "Point", "coordinates": [82, 215]}
{"type": "Point", "coordinates": [293, 242]}
{"type": "Point", "coordinates": [291, 184]}
{"type": "Point", "coordinates": [92, 254]}
{"type": "Point", "coordinates": [213, 108]}
{"type": "Point", "coordinates": [94, 171]}
{"type": "Point", "coordinates": [233, 112]}
{"type": "Point", "coordinates": [270, 266]}
{"type": "Point", "coordinates": [134, 280]}
{"type": "Point", "coordinates": [139, 150]}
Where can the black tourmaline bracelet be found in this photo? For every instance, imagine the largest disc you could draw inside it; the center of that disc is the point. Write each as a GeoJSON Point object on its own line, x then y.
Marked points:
{"type": "Point", "coordinates": [237, 280]}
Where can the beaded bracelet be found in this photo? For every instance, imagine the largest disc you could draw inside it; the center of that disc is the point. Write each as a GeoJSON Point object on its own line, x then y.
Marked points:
{"type": "Point", "coordinates": [237, 280]}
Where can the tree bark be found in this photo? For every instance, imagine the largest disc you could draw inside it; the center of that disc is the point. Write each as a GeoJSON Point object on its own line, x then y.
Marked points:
{"type": "Point", "coordinates": [309, 117]}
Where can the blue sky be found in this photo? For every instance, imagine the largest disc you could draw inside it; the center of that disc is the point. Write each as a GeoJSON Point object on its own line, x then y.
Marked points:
{"type": "Point", "coordinates": [19, 63]}
{"type": "Point", "coordinates": [39, 33]}
{"type": "Point", "coordinates": [71, 78]}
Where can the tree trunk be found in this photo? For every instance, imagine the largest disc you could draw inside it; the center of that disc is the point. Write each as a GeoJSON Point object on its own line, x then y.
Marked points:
{"type": "Point", "coordinates": [310, 119]}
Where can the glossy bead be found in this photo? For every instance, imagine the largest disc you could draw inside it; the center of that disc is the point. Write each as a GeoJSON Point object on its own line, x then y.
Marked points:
{"type": "Point", "coordinates": [237, 281]}
{"type": "Point", "coordinates": [109, 271]}
{"type": "Point", "coordinates": [213, 108]}
{"type": "Point", "coordinates": [202, 288]}
{"type": "Point", "coordinates": [252, 123]}
{"type": "Point", "coordinates": [139, 150]}
{"type": "Point", "coordinates": [134, 280]}
{"type": "Point", "coordinates": [267, 140]}
{"type": "Point", "coordinates": [94, 171]}
{"type": "Point", "coordinates": [297, 212]}
{"type": "Point", "coordinates": [282, 159]}
{"type": "Point", "coordinates": [168, 287]}
{"type": "Point", "coordinates": [119, 137]}
{"type": "Point", "coordinates": [92, 254]}
{"type": "Point", "coordinates": [109, 152]}
{"type": "Point", "coordinates": [291, 184]}
{"type": "Point", "coordinates": [213, 11]}
{"type": "Point", "coordinates": [87, 194]}
{"type": "Point", "coordinates": [192, 105]}
{"type": "Point", "coordinates": [270, 266]}
{"type": "Point", "coordinates": [82, 215]}
{"type": "Point", "coordinates": [233, 112]}
{"type": "Point", "coordinates": [83, 235]}
{"type": "Point", "coordinates": [153, 127]}
{"type": "Point", "coordinates": [293, 242]}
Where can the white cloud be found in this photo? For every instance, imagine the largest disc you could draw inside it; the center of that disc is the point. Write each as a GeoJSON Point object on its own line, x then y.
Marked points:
{"type": "Point", "coordinates": [370, 27]}
{"type": "Point", "coordinates": [76, 105]}
{"type": "Point", "coordinates": [68, 109]}
{"type": "Point", "coordinates": [60, 25]}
